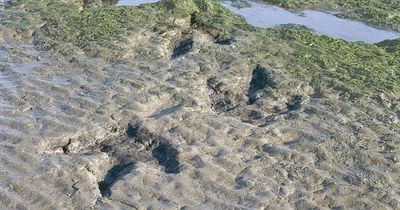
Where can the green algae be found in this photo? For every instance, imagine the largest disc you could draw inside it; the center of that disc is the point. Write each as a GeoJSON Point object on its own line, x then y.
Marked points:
{"type": "Point", "coordinates": [352, 69]}
{"type": "Point", "coordinates": [377, 12]}
{"type": "Point", "coordinates": [208, 15]}
{"type": "Point", "coordinates": [391, 46]}
{"type": "Point", "coordinates": [217, 20]}
{"type": "Point", "coordinates": [58, 23]}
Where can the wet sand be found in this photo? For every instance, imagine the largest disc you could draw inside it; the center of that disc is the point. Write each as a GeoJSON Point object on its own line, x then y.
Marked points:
{"type": "Point", "coordinates": [186, 122]}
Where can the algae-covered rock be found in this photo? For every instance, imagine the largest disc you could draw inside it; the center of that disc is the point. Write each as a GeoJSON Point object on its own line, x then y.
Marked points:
{"type": "Point", "coordinates": [180, 8]}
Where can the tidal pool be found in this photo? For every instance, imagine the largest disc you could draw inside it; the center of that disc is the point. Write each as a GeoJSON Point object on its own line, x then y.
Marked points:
{"type": "Point", "coordinates": [322, 23]}
{"type": "Point", "coordinates": [135, 2]}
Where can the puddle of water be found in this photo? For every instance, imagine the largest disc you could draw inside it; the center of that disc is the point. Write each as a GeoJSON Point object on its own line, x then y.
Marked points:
{"type": "Point", "coordinates": [15, 70]}
{"type": "Point", "coordinates": [24, 66]}
{"type": "Point", "coordinates": [2, 78]}
{"type": "Point", "coordinates": [135, 2]}
{"type": "Point", "coordinates": [268, 16]}
{"type": "Point", "coordinates": [29, 50]}
{"type": "Point", "coordinates": [28, 68]}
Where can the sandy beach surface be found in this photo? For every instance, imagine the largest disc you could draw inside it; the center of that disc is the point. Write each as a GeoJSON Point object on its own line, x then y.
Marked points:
{"type": "Point", "coordinates": [183, 120]}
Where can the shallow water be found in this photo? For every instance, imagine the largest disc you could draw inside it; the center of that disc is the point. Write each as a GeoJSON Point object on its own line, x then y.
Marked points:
{"type": "Point", "coordinates": [134, 2]}
{"type": "Point", "coordinates": [322, 23]}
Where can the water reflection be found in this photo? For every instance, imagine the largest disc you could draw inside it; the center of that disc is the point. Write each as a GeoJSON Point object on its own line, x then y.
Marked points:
{"type": "Point", "coordinates": [322, 23]}
{"type": "Point", "coordinates": [134, 2]}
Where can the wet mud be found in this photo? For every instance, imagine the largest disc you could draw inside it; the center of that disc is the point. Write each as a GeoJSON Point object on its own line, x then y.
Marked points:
{"type": "Point", "coordinates": [181, 118]}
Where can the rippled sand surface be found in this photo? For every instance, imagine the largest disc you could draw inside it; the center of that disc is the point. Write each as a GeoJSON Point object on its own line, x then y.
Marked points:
{"type": "Point", "coordinates": [186, 128]}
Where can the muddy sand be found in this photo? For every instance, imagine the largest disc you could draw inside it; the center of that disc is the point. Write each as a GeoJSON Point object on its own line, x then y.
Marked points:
{"type": "Point", "coordinates": [187, 120]}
